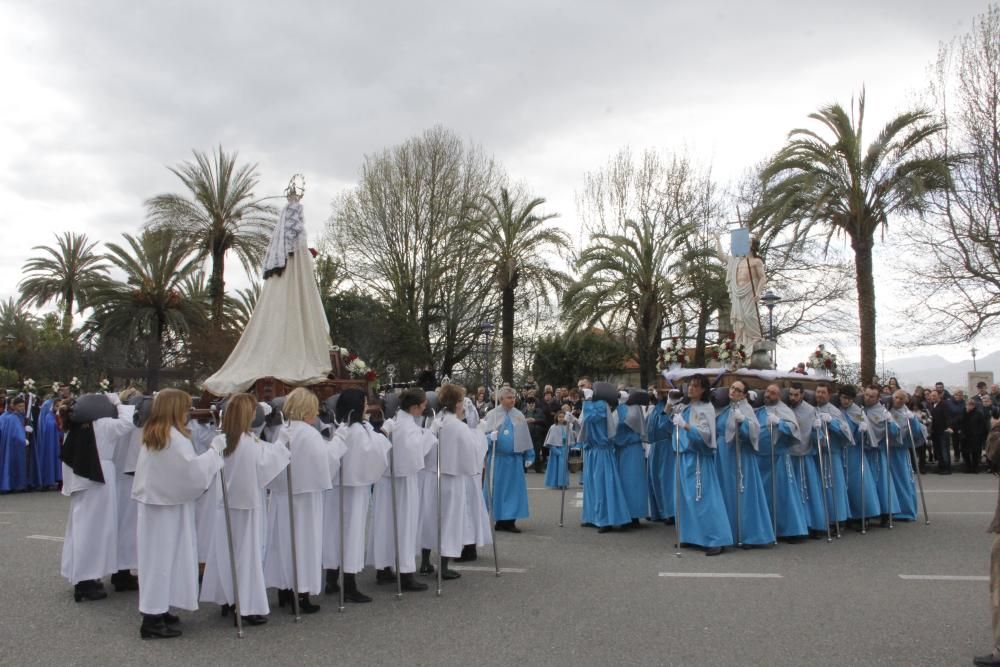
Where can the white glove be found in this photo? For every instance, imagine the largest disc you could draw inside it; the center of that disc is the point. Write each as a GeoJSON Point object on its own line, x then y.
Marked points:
{"type": "Point", "coordinates": [679, 421]}
{"type": "Point", "coordinates": [218, 445]}
{"type": "Point", "coordinates": [388, 425]}
{"type": "Point", "coordinates": [113, 397]}
{"type": "Point", "coordinates": [826, 417]}
{"type": "Point", "coordinates": [863, 427]}
{"type": "Point", "coordinates": [740, 417]}
{"type": "Point", "coordinates": [495, 435]}
{"type": "Point", "coordinates": [818, 423]}
{"type": "Point", "coordinates": [28, 429]}
{"type": "Point", "coordinates": [266, 407]}
{"type": "Point", "coordinates": [752, 395]}
{"type": "Point", "coordinates": [774, 420]}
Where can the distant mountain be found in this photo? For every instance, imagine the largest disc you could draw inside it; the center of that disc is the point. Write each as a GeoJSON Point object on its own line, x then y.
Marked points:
{"type": "Point", "coordinates": [928, 369]}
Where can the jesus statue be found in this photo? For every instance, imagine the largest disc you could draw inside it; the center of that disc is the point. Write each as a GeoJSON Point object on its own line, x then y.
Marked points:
{"type": "Point", "coordinates": [746, 282]}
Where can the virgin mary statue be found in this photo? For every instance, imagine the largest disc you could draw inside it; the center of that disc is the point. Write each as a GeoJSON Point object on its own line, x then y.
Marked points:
{"type": "Point", "coordinates": [287, 337]}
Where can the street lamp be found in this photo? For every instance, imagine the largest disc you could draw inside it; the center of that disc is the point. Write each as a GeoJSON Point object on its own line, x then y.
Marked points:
{"type": "Point", "coordinates": [973, 358]}
{"type": "Point", "coordinates": [486, 329]}
{"type": "Point", "coordinates": [770, 300]}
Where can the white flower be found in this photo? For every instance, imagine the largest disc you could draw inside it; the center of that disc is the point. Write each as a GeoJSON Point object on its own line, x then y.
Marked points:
{"type": "Point", "coordinates": [55, 387]}
{"type": "Point", "coordinates": [344, 352]}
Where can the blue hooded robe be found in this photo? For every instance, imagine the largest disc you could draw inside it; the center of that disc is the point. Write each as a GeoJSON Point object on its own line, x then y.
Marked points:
{"type": "Point", "coordinates": [660, 431]}
{"type": "Point", "coordinates": [604, 501]}
{"type": "Point", "coordinates": [755, 525]}
{"type": "Point", "coordinates": [900, 462]}
{"type": "Point", "coordinates": [839, 432]}
{"type": "Point", "coordinates": [13, 453]}
{"type": "Point", "coordinates": [702, 516]}
{"type": "Point", "coordinates": [791, 516]}
{"type": "Point", "coordinates": [854, 417]}
{"type": "Point", "coordinates": [879, 423]}
{"type": "Point", "coordinates": [510, 490]}
{"type": "Point", "coordinates": [558, 440]}
{"type": "Point", "coordinates": [632, 460]}
{"type": "Point", "coordinates": [48, 468]}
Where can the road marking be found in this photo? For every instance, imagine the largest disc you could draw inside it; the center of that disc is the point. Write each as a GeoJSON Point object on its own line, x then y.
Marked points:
{"type": "Point", "coordinates": [577, 503]}
{"type": "Point", "coordinates": [942, 577]}
{"type": "Point", "coordinates": [484, 568]}
{"type": "Point", "coordinates": [9, 512]}
{"type": "Point", "coordinates": [579, 494]}
{"type": "Point", "coordinates": [50, 538]}
{"type": "Point", "coordinates": [960, 513]}
{"type": "Point", "coordinates": [722, 575]}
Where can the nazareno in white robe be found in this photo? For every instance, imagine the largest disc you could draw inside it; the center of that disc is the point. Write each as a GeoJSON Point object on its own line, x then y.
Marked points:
{"type": "Point", "coordinates": [126, 451]}
{"type": "Point", "coordinates": [314, 463]}
{"type": "Point", "coordinates": [167, 483]}
{"type": "Point", "coordinates": [410, 444]}
{"type": "Point", "coordinates": [365, 460]}
{"type": "Point", "coordinates": [90, 545]}
{"type": "Point", "coordinates": [248, 470]}
{"type": "Point", "coordinates": [462, 453]}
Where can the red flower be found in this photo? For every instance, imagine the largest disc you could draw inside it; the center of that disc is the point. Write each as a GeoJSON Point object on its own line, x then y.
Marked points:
{"type": "Point", "coordinates": [732, 335]}
{"type": "Point", "coordinates": [371, 376]}
{"type": "Point", "coordinates": [351, 357]}
{"type": "Point", "coordinates": [828, 363]}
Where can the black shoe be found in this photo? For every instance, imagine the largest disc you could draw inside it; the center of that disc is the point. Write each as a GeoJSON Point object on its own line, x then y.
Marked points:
{"type": "Point", "coordinates": [446, 573]}
{"type": "Point", "coordinates": [507, 526]}
{"type": "Point", "coordinates": [669, 522]}
{"type": "Point", "coordinates": [426, 569]}
{"type": "Point", "coordinates": [468, 554]}
{"type": "Point", "coordinates": [605, 529]}
{"type": "Point", "coordinates": [795, 539]}
{"type": "Point", "coordinates": [636, 524]}
{"type": "Point", "coordinates": [714, 551]}
{"type": "Point", "coordinates": [123, 580]}
{"type": "Point", "coordinates": [285, 597]}
{"type": "Point", "coordinates": [351, 592]}
{"type": "Point", "coordinates": [986, 660]}
{"type": "Point", "coordinates": [153, 627]}
{"type": "Point", "coordinates": [410, 583]}
{"type": "Point", "coordinates": [385, 576]}
{"type": "Point", "coordinates": [305, 606]}
{"type": "Point", "coordinates": [89, 590]}
{"type": "Point", "coordinates": [587, 525]}
{"type": "Point", "coordinates": [169, 618]}
{"type": "Point", "coordinates": [257, 619]}
{"type": "Point", "coordinates": [332, 583]}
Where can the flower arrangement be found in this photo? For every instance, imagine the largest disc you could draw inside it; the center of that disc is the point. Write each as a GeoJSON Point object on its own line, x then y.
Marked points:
{"type": "Point", "coordinates": [822, 360]}
{"type": "Point", "coordinates": [671, 355]}
{"type": "Point", "coordinates": [56, 386]}
{"type": "Point", "coordinates": [730, 353]}
{"type": "Point", "coordinates": [74, 385]}
{"type": "Point", "coordinates": [105, 385]}
{"type": "Point", "coordinates": [29, 386]}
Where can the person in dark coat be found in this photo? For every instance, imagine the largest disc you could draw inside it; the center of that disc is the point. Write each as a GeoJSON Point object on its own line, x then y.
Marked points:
{"type": "Point", "coordinates": [974, 428]}
{"type": "Point", "coordinates": [940, 432]}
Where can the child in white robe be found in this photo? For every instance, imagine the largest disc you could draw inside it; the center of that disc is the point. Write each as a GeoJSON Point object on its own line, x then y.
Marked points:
{"type": "Point", "coordinates": [169, 478]}
{"type": "Point", "coordinates": [314, 462]}
{"type": "Point", "coordinates": [365, 460]}
{"type": "Point", "coordinates": [410, 444]}
{"type": "Point", "coordinates": [250, 466]}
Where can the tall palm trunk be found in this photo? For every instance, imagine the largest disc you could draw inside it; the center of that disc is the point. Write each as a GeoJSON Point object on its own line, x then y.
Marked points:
{"type": "Point", "coordinates": [507, 336]}
{"type": "Point", "coordinates": [154, 356]}
{"type": "Point", "coordinates": [700, 343]}
{"type": "Point", "coordinates": [67, 318]}
{"type": "Point", "coordinates": [866, 304]}
{"type": "Point", "coordinates": [217, 287]}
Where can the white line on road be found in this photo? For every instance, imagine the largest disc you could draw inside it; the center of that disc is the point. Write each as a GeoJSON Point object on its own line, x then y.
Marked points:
{"type": "Point", "coordinates": [722, 575]}
{"type": "Point", "coordinates": [960, 513]}
{"type": "Point", "coordinates": [50, 538]}
{"type": "Point", "coordinates": [484, 568]}
{"type": "Point", "coordinates": [959, 491]}
{"type": "Point", "coordinates": [577, 503]}
{"type": "Point", "coordinates": [579, 494]}
{"type": "Point", "coordinates": [942, 577]}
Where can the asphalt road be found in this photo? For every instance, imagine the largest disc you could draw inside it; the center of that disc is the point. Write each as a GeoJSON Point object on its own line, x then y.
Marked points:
{"type": "Point", "coordinates": [572, 597]}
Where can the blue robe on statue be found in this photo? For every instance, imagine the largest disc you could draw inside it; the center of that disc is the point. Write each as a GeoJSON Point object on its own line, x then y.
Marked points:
{"type": "Point", "coordinates": [755, 525]}
{"type": "Point", "coordinates": [13, 453]}
{"type": "Point", "coordinates": [632, 463]}
{"type": "Point", "coordinates": [510, 490]}
{"type": "Point", "coordinates": [870, 494]}
{"type": "Point", "coordinates": [791, 513]}
{"type": "Point", "coordinates": [660, 431]}
{"type": "Point", "coordinates": [604, 501]}
{"type": "Point", "coordinates": [47, 470]}
{"type": "Point", "coordinates": [840, 438]}
{"type": "Point", "coordinates": [702, 516]}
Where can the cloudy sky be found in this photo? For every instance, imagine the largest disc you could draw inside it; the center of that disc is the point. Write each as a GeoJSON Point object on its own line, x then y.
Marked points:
{"type": "Point", "coordinates": [100, 96]}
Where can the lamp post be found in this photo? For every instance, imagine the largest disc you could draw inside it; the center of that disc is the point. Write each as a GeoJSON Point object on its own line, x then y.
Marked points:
{"type": "Point", "coordinates": [973, 358]}
{"type": "Point", "coordinates": [486, 329]}
{"type": "Point", "coordinates": [770, 300]}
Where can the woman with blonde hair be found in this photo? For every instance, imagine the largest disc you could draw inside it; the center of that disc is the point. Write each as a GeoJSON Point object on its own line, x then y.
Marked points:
{"type": "Point", "coordinates": [169, 477]}
{"type": "Point", "coordinates": [251, 464]}
{"type": "Point", "coordinates": [314, 462]}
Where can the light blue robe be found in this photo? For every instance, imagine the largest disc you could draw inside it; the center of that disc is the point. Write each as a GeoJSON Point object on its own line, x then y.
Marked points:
{"type": "Point", "coordinates": [840, 508]}
{"type": "Point", "coordinates": [660, 430]}
{"type": "Point", "coordinates": [702, 513]}
{"type": "Point", "coordinates": [755, 525]}
{"type": "Point", "coordinates": [632, 467]}
{"type": "Point", "coordinates": [604, 501]}
{"type": "Point", "coordinates": [510, 489]}
{"type": "Point", "coordinates": [902, 468]}
{"type": "Point", "coordinates": [556, 472]}
{"type": "Point", "coordinates": [791, 513]}
{"type": "Point", "coordinates": [47, 470]}
{"type": "Point", "coordinates": [879, 460]}
{"type": "Point", "coordinates": [871, 502]}
{"type": "Point", "coordinates": [13, 453]}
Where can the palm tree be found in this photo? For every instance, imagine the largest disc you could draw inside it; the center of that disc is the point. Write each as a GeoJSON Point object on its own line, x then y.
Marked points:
{"type": "Point", "coordinates": [218, 214]}
{"type": "Point", "coordinates": [624, 281]}
{"type": "Point", "coordinates": [66, 274]}
{"type": "Point", "coordinates": [838, 184]}
{"type": "Point", "coordinates": [150, 303]}
{"type": "Point", "coordinates": [512, 239]}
